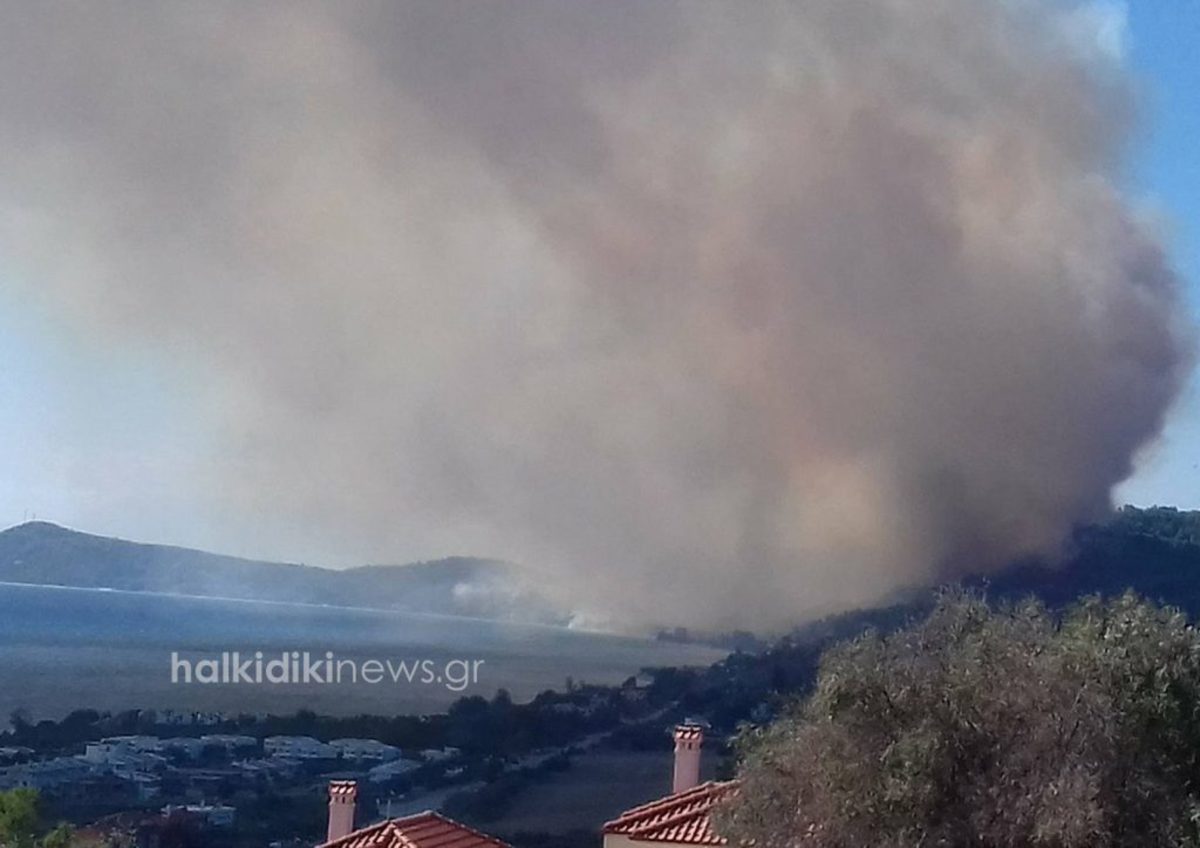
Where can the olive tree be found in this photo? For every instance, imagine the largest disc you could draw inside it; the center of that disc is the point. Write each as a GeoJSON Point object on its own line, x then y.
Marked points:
{"type": "Point", "coordinates": [987, 727]}
{"type": "Point", "coordinates": [18, 818]}
{"type": "Point", "coordinates": [20, 823]}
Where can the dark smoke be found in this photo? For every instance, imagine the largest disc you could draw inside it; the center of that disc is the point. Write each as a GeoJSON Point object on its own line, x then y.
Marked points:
{"type": "Point", "coordinates": [718, 313]}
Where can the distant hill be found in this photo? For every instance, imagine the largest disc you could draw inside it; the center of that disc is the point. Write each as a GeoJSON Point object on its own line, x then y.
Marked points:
{"type": "Point", "coordinates": [42, 553]}
{"type": "Point", "coordinates": [1154, 552]}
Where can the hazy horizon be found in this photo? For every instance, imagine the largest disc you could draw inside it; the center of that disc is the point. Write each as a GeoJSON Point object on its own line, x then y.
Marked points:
{"type": "Point", "coordinates": [331, 565]}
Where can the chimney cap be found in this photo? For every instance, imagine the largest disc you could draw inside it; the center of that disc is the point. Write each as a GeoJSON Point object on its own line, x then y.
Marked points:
{"type": "Point", "coordinates": [343, 788]}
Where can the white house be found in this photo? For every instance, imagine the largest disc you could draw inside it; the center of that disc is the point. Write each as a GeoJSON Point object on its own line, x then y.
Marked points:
{"type": "Point", "coordinates": [47, 774]}
{"type": "Point", "coordinates": [185, 746]}
{"type": "Point", "coordinates": [365, 749]}
{"type": "Point", "coordinates": [120, 746]}
{"type": "Point", "coordinates": [298, 748]}
{"type": "Point", "coordinates": [9, 754]}
{"type": "Point", "coordinates": [130, 764]}
{"type": "Point", "coordinates": [148, 786]}
{"type": "Point", "coordinates": [389, 770]}
{"type": "Point", "coordinates": [231, 743]}
{"type": "Point", "coordinates": [214, 815]}
{"type": "Point", "coordinates": [439, 755]}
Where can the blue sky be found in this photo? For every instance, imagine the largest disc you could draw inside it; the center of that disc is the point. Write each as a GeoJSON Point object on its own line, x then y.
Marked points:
{"type": "Point", "coordinates": [105, 437]}
{"type": "Point", "coordinates": [1162, 39]}
{"type": "Point", "coordinates": [92, 436]}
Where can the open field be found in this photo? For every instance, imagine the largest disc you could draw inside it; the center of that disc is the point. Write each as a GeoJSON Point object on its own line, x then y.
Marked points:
{"type": "Point", "coordinates": [598, 787]}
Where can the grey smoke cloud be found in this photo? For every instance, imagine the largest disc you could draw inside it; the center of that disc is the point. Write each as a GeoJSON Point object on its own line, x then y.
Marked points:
{"type": "Point", "coordinates": [720, 314]}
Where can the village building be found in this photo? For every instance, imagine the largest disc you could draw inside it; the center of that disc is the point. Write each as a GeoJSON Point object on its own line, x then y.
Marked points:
{"type": "Point", "coordinates": [45, 775]}
{"type": "Point", "coordinates": [231, 744]}
{"type": "Point", "coordinates": [213, 815]}
{"type": "Point", "coordinates": [298, 748]}
{"type": "Point", "coordinates": [423, 830]}
{"type": "Point", "coordinates": [683, 818]}
{"type": "Point", "coordinates": [365, 749]}
{"type": "Point", "coordinates": [391, 770]}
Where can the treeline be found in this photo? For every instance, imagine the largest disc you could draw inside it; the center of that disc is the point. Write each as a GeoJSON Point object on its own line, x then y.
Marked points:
{"type": "Point", "coordinates": [1160, 522]}
{"type": "Point", "coordinates": [475, 725]}
{"type": "Point", "coordinates": [987, 725]}
{"type": "Point", "coordinates": [1155, 552]}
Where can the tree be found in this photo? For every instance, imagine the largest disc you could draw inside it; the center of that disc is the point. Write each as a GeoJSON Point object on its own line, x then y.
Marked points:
{"type": "Point", "coordinates": [20, 823]}
{"type": "Point", "coordinates": [18, 818]}
{"type": "Point", "coordinates": [19, 720]}
{"type": "Point", "coordinates": [60, 837]}
{"type": "Point", "coordinates": [987, 727]}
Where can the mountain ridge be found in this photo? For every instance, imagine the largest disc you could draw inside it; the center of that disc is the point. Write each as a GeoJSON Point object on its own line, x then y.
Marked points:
{"type": "Point", "coordinates": [44, 553]}
{"type": "Point", "coordinates": [1153, 551]}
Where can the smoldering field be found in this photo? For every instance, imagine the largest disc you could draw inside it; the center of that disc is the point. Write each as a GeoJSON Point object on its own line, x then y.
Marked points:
{"type": "Point", "coordinates": [716, 314]}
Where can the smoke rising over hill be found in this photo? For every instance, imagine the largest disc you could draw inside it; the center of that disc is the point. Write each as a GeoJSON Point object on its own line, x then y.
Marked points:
{"type": "Point", "coordinates": [721, 314]}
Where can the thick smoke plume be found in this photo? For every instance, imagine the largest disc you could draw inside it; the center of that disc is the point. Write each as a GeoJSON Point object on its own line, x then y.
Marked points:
{"type": "Point", "coordinates": [717, 313]}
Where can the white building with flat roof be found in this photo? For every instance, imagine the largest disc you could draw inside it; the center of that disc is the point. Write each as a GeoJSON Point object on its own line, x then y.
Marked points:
{"type": "Point", "coordinates": [46, 774]}
{"type": "Point", "coordinates": [366, 749]}
{"type": "Point", "coordinates": [231, 743]}
{"type": "Point", "coordinates": [390, 770]}
{"type": "Point", "coordinates": [110, 746]}
{"type": "Point", "coordinates": [214, 815]}
{"type": "Point", "coordinates": [298, 748]}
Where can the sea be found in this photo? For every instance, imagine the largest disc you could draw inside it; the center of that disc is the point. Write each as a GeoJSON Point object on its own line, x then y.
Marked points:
{"type": "Point", "coordinates": [63, 649]}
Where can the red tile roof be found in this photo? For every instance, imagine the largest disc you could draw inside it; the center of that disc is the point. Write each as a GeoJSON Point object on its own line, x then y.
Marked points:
{"type": "Point", "coordinates": [424, 830]}
{"type": "Point", "coordinates": [683, 817]}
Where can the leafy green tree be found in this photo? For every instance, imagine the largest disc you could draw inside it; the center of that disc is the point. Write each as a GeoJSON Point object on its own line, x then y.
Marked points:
{"type": "Point", "coordinates": [60, 837]}
{"type": "Point", "coordinates": [988, 727]}
{"type": "Point", "coordinates": [20, 823]}
{"type": "Point", "coordinates": [18, 818]}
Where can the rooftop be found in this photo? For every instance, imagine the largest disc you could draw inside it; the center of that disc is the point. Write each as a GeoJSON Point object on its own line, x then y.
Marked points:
{"type": "Point", "coordinates": [424, 830]}
{"type": "Point", "coordinates": [682, 818]}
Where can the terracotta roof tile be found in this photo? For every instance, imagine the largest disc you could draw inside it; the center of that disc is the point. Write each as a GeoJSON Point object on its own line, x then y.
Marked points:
{"type": "Point", "coordinates": [683, 817]}
{"type": "Point", "coordinates": [424, 830]}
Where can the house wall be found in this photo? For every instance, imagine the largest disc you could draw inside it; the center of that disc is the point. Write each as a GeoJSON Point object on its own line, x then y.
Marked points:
{"type": "Point", "coordinates": [620, 840]}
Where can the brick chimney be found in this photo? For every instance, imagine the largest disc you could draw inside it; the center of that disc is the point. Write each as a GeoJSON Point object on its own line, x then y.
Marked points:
{"type": "Point", "coordinates": [342, 794]}
{"type": "Point", "coordinates": [688, 739]}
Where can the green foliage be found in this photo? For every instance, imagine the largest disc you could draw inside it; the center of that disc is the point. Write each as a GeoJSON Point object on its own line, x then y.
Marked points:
{"type": "Point", "coordinates": [18, 818]}
{"type": "Point", "coordinates": [20, 823]}
{"type": "Point", "coordinates": [988, 727]}
{"type": "Point", "coordinates": [60, 837]}
{"type": "Point", "coordinates": [1160, 522]}
{"type": "Point", "coordinates": [491, 801]}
